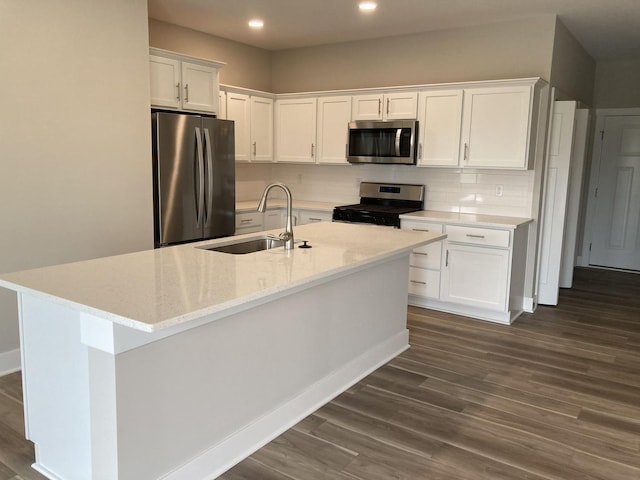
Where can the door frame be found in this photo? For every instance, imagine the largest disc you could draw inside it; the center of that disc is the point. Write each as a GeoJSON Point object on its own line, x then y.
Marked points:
{"type": "Point", "coordinates": [594, 171]}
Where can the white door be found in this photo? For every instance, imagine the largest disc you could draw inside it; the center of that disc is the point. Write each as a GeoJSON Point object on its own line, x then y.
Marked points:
{"type": "Point", "coordinates": [555, 201]}
{"type": "Point", "coordinates": [200, 87]}
{"type": "Point", "coordinates": [334, 114]}
{"type": "Point", "coordinates": [615, 239]}
{"type": "Point", "coordinates": [295, 122]}
{"type": "Point", "coordinates": [440, 116]}
{"type": "Point", "coordinates": [495, 127]}
{"type": "Point", "coordinates": [580, 137]}
{"type": "Point", "coordinates": [165, 82]}
{"type": "Point", "coordinates": [262, 129]}
{"type": "Point", "coordinates": [238, 111]}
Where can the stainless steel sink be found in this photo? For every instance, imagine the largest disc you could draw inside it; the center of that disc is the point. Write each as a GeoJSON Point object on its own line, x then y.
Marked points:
{"type": "Point", "coordinates": [247, 246]}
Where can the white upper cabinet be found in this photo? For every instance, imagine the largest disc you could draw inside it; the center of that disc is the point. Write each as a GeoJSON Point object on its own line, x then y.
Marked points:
{"type": "Point", "coordinates": [496, 126]}
{"type": "Point", "coordinates": [183, 83]}
{"type": "Point", "coordinates": [261, 129]}
{"type": "Point", "coordinates": [253, 117]}
{"type": "Point", "coordinates": [295, 123]}
{"type": "Point", "coordinates": [200, 87]}
{"type": "Point", "coordinates": [439, 123]}
{"type": "Point", "coordinates": [238, 110]}
{"type": "Point", "coordinates": [485, 127]}
{"type": "Point", "coordinates": [334, 115]}
{"type": "Point", "coordinates": [165, 81]}
{"type": "Point", "coordinates": [385, 106]}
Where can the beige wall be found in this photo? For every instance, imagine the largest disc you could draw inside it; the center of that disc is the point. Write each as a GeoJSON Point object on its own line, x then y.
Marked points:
{"type": "Point", "coordinates": [572, 68]}
{"type": "Point", "coordinates": [75, 136]}
{"type": "Point", "coordinates": [618, 83]}
{"type": "Point", "coordinates": [488, 52]}
{"type": "Point", "coordinates": [247, 67]}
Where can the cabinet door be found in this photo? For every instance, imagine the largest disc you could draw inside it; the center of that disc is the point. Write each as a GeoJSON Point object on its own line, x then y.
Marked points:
{"type": "Point", "coordinates": [200, 87]}
{"type": "Point", "coordinates": [400, 105]}
{"type": "Point", "coordinates": [476, 276]}
{"type": "Point", "coordinates": [495, 127]}
{"type": "Point", "coordinates": [274, 219]}
{"type": "Point", "coordinates": [440, 119]}
{"type": "Point", "coordinates": [296, 130]}
{"type": "Point", "coordinates": [222, 105]}
{"type": "Point", "coordinates": [334, 114]}
{"type": "Point", "coordinates": [238, 110]}
{"type": "Point", "coordinates": [165, 82]}
{"type": "Point", "coordinates": [366, 107]}
{"type": "Point", "coordinates": [262, 129]}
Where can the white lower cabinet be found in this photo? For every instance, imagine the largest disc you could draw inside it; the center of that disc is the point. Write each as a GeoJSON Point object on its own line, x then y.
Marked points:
{"type": "Point", "coordinates": [424, 271]}
{"type": "Point", "coordinates": [476, 271]}
{"type": "Point", "coordinates": [249, 222]}
{"type": "Point", "coordinates": [273, 219]}
{"type": "Point", "coordinates": [313, 216]}
{"type": "Point", "coordinates": [476, 276]}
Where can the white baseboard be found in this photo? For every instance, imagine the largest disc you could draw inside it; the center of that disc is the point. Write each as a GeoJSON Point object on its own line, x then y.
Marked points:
{"type": "Point", "coordinates": [9, 362]}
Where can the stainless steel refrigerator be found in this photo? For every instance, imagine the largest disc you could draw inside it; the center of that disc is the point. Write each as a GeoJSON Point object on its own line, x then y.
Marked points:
{"type": "Point", "coordinates": [194, 177]}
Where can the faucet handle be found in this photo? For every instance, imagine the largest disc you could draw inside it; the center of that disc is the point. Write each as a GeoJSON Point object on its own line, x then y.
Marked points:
{"type": "Point", "coordinates": [286, 236]}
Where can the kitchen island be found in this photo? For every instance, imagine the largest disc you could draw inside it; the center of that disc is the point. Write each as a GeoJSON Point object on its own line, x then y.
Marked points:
{"type": "Point", "coordinates": [179, 362]}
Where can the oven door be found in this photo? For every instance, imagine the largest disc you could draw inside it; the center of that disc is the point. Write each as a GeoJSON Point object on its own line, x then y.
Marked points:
{"type": "Point", "coordinates": [383, 142]}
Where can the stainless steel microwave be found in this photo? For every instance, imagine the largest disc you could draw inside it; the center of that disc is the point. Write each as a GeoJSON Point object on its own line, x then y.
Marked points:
{"type": "Point", "coordinates": [383, 141]}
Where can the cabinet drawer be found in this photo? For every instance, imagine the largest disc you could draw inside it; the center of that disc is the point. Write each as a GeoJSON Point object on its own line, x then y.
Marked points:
{"type": "Point", "coordinates": [427, 256]}
{"type": "Point", "coordinates": [478, 236]}
{"type": "Point", "coordinates": [249, 220]}
{"type": "Point", "coordinates": [425, 283]}
{"type": "Point", "coordinates": [420, 226]}
{"type": "Point", "coordinates": [312, 216]}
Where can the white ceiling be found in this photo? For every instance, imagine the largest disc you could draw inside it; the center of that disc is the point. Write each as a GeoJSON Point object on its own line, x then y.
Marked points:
{"type": "Point", "coordinates": [606, 28]}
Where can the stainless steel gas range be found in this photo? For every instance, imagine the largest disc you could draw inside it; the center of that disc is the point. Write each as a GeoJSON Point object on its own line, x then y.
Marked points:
{"type": "Point", "coordinates": [382, 204]}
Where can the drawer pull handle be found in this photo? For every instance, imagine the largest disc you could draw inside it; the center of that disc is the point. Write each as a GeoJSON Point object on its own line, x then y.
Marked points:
{"type": "Point", "coordinates": [314, 219]}
{"type": "Point", "coordinates": [420, 230]}
{"type": "Point", "coordinates": [248, 220]}
{"type": "Point", "coordinates": [419, 283]}
{"type": "Point", "coordinates": [471, 235]}
{"type": "Point", "coordinates": [420, 253]}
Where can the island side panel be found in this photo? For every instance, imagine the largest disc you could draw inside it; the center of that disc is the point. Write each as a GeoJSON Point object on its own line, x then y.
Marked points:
{"type": "Point", "coordinates": [55, 385]}
{"type": "Point", "coordinates": [192, 405]}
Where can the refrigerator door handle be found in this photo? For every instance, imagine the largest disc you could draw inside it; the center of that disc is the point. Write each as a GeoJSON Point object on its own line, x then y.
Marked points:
{"type": "Point", "coordinates": [200, 178]}
{"type": "Point", "coordinates": [209, 190]}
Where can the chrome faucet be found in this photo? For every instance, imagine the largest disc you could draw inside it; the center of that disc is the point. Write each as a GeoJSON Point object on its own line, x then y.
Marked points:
{"type": "Point", "coordinates": [287, 235]}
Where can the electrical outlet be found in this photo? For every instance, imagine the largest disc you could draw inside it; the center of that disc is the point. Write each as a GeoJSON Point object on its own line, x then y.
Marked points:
{"type": "Point", "coordinates": [499, 190]}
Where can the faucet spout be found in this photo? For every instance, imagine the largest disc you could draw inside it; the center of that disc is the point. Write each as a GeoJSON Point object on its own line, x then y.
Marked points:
{"type": "Point", "coordinates": [287, 235]}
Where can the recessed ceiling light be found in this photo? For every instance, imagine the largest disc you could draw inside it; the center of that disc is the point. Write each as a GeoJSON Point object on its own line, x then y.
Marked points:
{"type": "Point", "coordinates": [256, 23]}
{"type": "Point", "coordinates": [367, 6]}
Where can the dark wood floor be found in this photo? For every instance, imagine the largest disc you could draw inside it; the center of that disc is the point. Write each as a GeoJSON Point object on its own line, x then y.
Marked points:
{"type": "Point", "coordinates": [554, 396]}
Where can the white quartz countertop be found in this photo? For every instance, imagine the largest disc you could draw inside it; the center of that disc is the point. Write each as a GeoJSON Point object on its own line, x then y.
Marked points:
{"type": "Point", "coordinates": [470, 219]}
{"type": "Point", "coordinates": [252, 205]}
{"type": "Point", "coordinates": [156, 289]}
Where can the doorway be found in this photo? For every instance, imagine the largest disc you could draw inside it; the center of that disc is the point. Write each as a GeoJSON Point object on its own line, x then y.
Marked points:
{"type": "Point", "coordinates": [613, 240]}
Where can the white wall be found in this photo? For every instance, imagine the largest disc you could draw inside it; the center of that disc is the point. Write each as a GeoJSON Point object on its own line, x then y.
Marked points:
{"type": "Point", "coordinates": [248, 67]}
{"type": "Point", "coordinates": [74, 137]}
{"type": "Point", "coordinates": [617, 83]}
{"type": "Point", "coordinates": [514, 49]}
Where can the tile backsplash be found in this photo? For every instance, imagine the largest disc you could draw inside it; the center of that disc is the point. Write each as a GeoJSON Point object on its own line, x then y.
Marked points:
{"type": "Point", "coordinates": [491, 192]}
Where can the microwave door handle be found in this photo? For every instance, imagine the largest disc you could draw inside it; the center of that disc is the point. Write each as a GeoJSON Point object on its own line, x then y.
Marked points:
{"type": "Point", "coordinates": [209, 190]}
{"type": "Point", "coordinates": [200, 178]}
{"type": "Point", "coordinates": [398, 138]}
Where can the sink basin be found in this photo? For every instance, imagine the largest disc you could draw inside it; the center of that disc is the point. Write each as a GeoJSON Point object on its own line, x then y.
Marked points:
{"type": "Point", "coordinates": [247, 246]}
